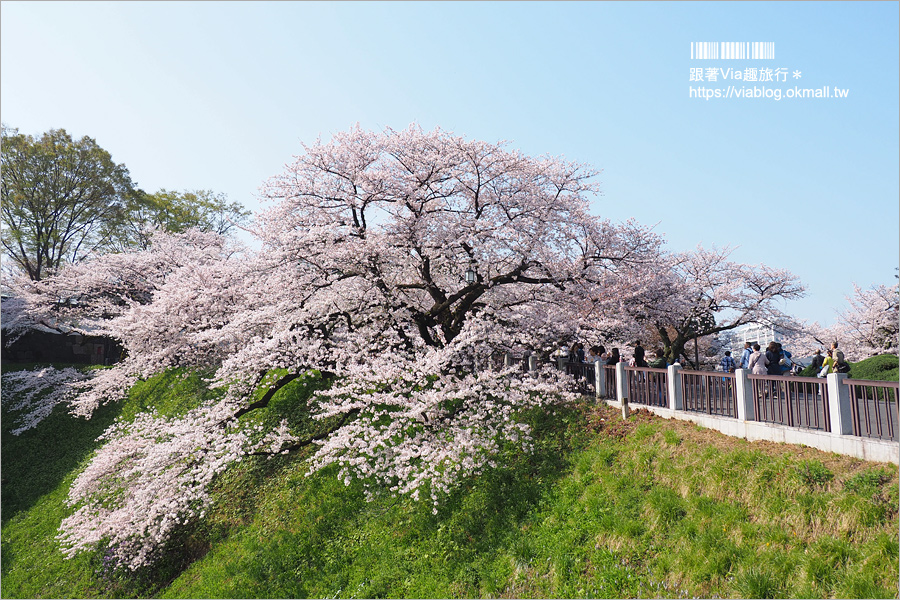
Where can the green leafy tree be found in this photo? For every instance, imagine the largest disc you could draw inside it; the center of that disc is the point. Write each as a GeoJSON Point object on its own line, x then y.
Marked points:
{"type": "Point", "coordinates": [61, 199]}
{"type": "Point", "coordinates": [175, 212]}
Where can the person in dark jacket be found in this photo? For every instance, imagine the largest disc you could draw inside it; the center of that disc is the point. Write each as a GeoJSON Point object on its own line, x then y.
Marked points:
{"type": "Point", "coordinates": [818, 360]}
{"type": "Point", "coordinates": [659, 362]}
{"type": "Point", "coordinates": [639, 355]}
{"type": "Point", "coordinates": [613, 357]}
{"type": "Point", "coordinates": [773, 356]}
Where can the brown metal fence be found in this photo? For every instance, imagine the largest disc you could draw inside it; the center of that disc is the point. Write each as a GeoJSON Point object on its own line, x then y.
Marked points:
{"type": "Point", "coordinates": [647, 386]}
{"type": "Point", "coordinates": [499, 361]}
{"type": "Point", "coordinates": [792, 401]}
{"type": "Point", "coordinates": [711, 393]}
{"type": "Point", "coordinates": [873, 408]}
{"type": "Point", "coordinates": [584, 375]}
{"type": "Point", "coordinates": [609, 374]}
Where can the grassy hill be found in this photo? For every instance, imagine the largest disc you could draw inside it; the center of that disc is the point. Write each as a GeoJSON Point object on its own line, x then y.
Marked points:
{"type": "Point", "coordinates": [603, 508]}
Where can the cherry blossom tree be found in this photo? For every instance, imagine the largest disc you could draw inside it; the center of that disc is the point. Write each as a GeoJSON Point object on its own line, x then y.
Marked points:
{"type": "Point", "coordinates": [871, 323]}
{"type": "Point", "coordinates": [803, 338]}
{"type": "Point", "coordinates": [152, 301]}
{"type": "Point", "coordinates": [867, 327]}
{"type": "Point", "coordinates": [361, 276]}
{"type": "Point", "coordinates": [703, 294]}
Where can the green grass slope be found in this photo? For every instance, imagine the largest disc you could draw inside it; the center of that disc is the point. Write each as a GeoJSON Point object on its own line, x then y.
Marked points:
{"type": "Point", "coordinates": [602, 508]}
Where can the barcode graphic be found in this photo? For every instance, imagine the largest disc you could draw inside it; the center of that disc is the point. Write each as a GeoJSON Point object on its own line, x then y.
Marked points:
{"type": "Point", "coordinates": [732, 50]}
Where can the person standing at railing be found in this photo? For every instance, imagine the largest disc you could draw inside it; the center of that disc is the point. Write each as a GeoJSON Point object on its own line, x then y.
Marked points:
{"type": "Point", "coordinates": [772, 358]}
{"type": "Point", "coordinates": [826, 365]}
{"type": "Point", "coordinates": [784, 360]}
{"type": "Point", "coordinates": [745, 356]}
{"type": "Point", "coordinates": [728, 362]}
{"type": "Point", "coordinates": [818, 360]}
{"type": "Point", "coordinates": [639, 355]}
{"type": "Point", "coordinates": [836, 354]}
{"type": "Point", "coordinates": [614, 357]}
{"type": "Point", "coordinates": [766, 363]}
{"type": "Point", "coordinates": [660, 361]}
{"type": "Point", "coordinates": [840, 365]}
{"type": "Point", "coordinates": [758, 361]}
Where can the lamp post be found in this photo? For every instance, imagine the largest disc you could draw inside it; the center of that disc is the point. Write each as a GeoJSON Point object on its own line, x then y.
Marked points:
{"type": "Point", "coordinates": [471, 276]}
{"type": "Point", "coordinates": [696, 352]}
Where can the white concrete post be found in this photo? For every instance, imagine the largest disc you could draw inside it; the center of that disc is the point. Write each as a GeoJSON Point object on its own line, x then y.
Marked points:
{"type": "Point", "coordinates": [674, 381]}
{"type": "Point", "coordinates": [532, 363]}
{"type": "Point", "coordinates": [621, 383]}
{"type": "Point", "coordinates": [507, 359]}
{"type": "Point", "coordinates": [622, 389]}
{"type": "Point", "coordinates": [599, 377]}
{"type": "Point", "coordinates": [743, 396]}
{"type": "Point", "coordinates": [839, 404]}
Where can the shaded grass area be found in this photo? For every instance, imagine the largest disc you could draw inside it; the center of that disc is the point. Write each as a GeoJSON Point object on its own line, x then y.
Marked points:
{"type": "Point", "coordinates": [602, 508]}
{"type": "Point", "coordinates": [314, 536]}
{"type": "Point", "coordinates": [38, 468]}
{"type": "Point", "coordinates": [35, 462]}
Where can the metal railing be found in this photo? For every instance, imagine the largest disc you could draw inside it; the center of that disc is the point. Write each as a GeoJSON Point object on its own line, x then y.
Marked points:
{"type": "Point", "coordinates": [499, 361]}
{"type": "Point", "coordinates": [792, 401]}
{"type": "Point", "coordinates": [521, 362]}
{"type": "Point", "coordinates": [609, 378]}
{"type": "Point", "coordinates": [647, 386]}
{"type": "Point", "coordinates": [711, 393]}
{"type": "Point", "coordinates": [873, 408]}
{"type": "Point", "coordinates": [584, 375]}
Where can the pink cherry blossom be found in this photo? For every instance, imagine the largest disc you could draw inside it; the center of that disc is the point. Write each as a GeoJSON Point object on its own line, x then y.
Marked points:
{"type": "Point", "coordinates": [360, 274]}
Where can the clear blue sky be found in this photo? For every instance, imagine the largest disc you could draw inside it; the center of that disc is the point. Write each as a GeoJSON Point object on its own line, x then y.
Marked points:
{"type": "Point", "coordinates": [220, 95]}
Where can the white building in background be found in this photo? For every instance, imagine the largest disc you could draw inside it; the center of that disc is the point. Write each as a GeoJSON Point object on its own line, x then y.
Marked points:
{"type": "Point", "coordinates": [755, 333]}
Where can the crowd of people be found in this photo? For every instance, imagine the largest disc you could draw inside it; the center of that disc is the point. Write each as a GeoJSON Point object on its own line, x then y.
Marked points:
{"type": "Point", "coordinates": [831, 362]}
{"type": "Point", "coordinates": [598, 353]}
{"type": "Point", "coordinates": [777, 361]}
{"type": "Point", "coordinates": [774, 360]}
